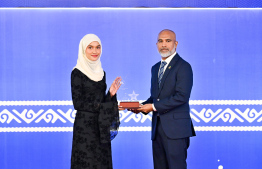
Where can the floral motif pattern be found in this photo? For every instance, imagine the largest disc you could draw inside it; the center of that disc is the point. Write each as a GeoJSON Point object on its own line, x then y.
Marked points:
{"type": "Point", "coordinates": [96, 112]}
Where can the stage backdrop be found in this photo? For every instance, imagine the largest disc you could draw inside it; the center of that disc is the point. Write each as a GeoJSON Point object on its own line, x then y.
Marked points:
{"type": "Point", "coordinates": [134, 3]}
{"type": "Point", "coordinates": [39, 48]}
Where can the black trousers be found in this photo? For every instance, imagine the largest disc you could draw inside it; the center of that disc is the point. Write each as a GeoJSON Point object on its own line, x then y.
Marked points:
{"type": "Point", "coordinates": [169, 153]}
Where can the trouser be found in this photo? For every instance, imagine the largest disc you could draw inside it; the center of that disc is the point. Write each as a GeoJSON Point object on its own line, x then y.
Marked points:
{"type": "Point", "coordinates": [169, 153]}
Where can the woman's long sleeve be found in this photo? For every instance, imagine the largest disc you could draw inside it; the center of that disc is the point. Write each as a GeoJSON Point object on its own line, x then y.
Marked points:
{"type": "Point", "coordinates": [77, 94]}
{"type": "Point", "coordinates": [109, 118]}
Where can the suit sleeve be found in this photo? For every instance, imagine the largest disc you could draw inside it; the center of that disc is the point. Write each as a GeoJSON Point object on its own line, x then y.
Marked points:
{"type": "Point", "coordinates": [148, 101]}
{"type": "Point", "coordinates": [183, 88]}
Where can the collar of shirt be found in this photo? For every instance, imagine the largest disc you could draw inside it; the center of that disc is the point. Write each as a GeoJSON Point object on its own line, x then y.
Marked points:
{"type": "Point", "coordinates": [168, 60]}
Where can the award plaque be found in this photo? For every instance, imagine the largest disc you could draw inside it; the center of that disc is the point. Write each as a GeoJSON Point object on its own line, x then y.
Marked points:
{"type": "Point", "coordinates": [129, 104]}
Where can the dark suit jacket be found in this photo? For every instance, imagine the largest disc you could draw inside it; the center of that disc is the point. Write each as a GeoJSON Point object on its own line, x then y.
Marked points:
{"type": "Point", "coordinates": [171, 99]}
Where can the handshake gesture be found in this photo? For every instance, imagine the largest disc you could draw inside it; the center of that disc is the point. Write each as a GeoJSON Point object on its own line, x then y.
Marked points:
{"type": "Point", "coordinates": [135, 107]}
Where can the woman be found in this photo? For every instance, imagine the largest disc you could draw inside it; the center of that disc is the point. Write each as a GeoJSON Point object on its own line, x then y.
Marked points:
{"type": "Point", "coordinates": [97, 112]}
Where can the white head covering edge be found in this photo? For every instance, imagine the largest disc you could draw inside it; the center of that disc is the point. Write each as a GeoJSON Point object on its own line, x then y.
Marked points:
{"type": "Point", "coordinates": [92, 69]}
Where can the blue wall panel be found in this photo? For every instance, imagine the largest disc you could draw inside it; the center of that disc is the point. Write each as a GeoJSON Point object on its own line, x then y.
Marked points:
{"type": "Point", "coordinates": [134, 3]}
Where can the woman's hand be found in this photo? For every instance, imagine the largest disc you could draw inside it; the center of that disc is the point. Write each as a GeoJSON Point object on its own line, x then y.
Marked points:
{"type": "Point", "coordinates": [115, 86]}
{"type": "Point", "coordinates": [121, 108]}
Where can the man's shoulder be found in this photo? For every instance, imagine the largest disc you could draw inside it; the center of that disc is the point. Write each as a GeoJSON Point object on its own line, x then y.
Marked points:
{"type": "Point", "coordinates": [156, 65]}
{"type": "Point", "coordinates": [183, 65]}
{"type": "Point", "coordinates": [183, 60]}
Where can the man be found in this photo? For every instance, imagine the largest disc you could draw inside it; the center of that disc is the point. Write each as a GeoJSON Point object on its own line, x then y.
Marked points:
{"type": "Point", "coordinates": [171, 85]}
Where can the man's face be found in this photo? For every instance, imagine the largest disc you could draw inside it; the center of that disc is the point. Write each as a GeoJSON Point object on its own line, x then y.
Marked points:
{"type": "Point", "coordinates": [166, 43]}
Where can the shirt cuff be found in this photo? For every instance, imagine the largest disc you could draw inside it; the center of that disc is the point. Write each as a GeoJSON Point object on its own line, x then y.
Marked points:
{"type": "Point", "coordinates": [153, 107]}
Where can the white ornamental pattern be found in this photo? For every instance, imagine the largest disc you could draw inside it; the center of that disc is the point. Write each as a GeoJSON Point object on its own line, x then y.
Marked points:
{"type": "Point", "coordinates": [226, 115]}
{"type": "Point", "coordinates": [29, 116]}
{"type": "Point", "coordinates": [204, 115]}
{"type": "Point", "coordinates": [128, 116]}
{"type": "Point", "coordinates": [52, 116]}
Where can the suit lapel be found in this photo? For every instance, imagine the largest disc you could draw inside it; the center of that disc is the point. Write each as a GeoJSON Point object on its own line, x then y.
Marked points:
{"type": "Point", "coordinates": [170, 66]}
{"type": "Point", "coordinates": [155, 77]}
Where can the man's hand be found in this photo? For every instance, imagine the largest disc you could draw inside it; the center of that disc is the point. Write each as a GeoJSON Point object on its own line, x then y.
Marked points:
{"type": "Point", "coordinates": [146, 108]}
{"type": "Point", "coordinates": [135, 110]}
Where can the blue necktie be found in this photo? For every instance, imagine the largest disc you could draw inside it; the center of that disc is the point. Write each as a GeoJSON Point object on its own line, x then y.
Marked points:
{"type": "Point", "coordinates": [161, 72]}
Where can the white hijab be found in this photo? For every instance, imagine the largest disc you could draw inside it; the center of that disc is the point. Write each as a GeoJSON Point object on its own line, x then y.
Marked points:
{"type": "Point", "coordinates": [92, 69]}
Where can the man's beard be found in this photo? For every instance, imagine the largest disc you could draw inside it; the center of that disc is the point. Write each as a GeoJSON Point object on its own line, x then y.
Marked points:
{"type": "Point", "coordinates": [164, 55]}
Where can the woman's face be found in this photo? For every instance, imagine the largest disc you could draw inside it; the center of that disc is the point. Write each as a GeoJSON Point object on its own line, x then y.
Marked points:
{"type": "Point", "coordinates": [93, 51]}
